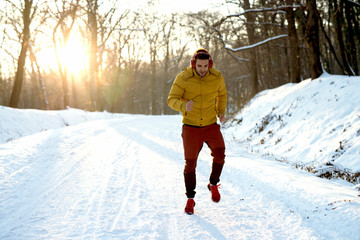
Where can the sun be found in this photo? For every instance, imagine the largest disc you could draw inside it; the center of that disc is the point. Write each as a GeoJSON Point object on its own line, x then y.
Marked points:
{"type": "Point", "coordinates": [74, 55]}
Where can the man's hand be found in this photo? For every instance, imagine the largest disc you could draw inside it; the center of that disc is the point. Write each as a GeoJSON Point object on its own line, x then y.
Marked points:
{"type": "Point", "coordinates": [222, 118]}
{"type": "Point", "coordinates": [189, 105]}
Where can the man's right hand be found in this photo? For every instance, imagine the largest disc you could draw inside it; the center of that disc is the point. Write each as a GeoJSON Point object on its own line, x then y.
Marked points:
{"type": "Point", "coordinates": [189, 105]}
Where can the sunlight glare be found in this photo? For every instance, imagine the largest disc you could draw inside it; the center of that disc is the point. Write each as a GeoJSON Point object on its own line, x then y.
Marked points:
{"type": "Point", "coordinates": [73, 55]}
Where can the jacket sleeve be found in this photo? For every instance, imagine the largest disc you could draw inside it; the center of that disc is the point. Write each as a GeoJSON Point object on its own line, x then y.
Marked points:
{"type": "Point", "coordinates": [175, 99]}
{"type": "Point", "coordinates": [222, 97]}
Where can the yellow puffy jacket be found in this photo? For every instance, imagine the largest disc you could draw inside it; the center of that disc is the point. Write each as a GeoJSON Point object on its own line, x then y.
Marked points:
{"type": "Point", "coordinates": [208, 94]}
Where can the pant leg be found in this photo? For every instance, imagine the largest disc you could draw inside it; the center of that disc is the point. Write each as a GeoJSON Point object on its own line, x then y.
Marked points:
{"type": "Point", "coordinates": [190, 184]}
{"type": "Point", "coordinates": [215, 141]}
{"type": "Point", "coordinates": [192, 146]}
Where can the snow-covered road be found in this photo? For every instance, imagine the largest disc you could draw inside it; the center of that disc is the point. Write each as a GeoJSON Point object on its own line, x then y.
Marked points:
{"type": "Point", "coordinates": [122, 179]}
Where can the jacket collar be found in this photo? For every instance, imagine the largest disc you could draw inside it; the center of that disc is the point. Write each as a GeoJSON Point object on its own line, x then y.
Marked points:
{"type": "Point", "coordinates": [197, 75]}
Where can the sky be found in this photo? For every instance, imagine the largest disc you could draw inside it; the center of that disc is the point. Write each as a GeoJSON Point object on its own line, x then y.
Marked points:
{"type": "Point", "coordinates": [72, 174]}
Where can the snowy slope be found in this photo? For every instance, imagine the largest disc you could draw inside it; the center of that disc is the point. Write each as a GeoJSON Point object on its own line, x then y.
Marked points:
{"type": "Point", "coordinates": [16, 123]}
{"type": "Point", "coordinates": [313, 124]}
{"type": "Point", "coordinates": [119, 176]}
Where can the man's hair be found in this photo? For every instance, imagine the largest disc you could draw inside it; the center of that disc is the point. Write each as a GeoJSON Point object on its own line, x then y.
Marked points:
{"type": "Point", "coordinates": [202, 54]}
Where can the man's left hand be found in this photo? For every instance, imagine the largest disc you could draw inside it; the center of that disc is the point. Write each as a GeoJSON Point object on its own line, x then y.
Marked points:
{"type": "Point", "coordinates": [222, 118]}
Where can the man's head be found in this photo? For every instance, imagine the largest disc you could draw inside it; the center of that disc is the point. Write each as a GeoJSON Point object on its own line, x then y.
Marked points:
{"type": "Point", "coordinates": [201, 61]}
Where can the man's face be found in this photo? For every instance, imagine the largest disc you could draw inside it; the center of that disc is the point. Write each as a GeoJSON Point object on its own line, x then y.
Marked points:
{"type": "Point", "coordinates": [202, 66]}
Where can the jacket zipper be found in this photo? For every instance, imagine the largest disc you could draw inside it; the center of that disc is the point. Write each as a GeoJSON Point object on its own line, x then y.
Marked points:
{"type": "Point", "coordinates": [201, 99]}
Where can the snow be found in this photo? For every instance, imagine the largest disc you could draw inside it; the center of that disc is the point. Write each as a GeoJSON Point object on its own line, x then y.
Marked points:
{"type": "Point", "coordinates": [256, 44]}
{"type": "Point", "coordinates": [310, 123]}
{"type": "Point", "coordinates": [73, 174]}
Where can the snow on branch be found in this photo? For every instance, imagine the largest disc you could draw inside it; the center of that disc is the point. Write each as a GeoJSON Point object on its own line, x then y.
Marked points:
{"type": "Point", "coordinates": [256, 44]}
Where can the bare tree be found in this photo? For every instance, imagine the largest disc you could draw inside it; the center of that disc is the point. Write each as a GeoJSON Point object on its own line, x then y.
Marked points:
{"type": "Point", "coordinates": [27, 12]}
{"type": "Point", "coordinates": [92, 7]}
{"type": "Point", "coordinates": [253, 41]}
{"type": "Point", "coordinates": [312, 39]}
{"type": "Point", "coordinates": [108, 23]}
{"type": "Point", "coordinates": [166, 33]}
{"type": "Point", "coordinates": [65, 15]}
{"type": "Point", "coordinates": [152, 33]}
{"type": "Point", "coordinates": [294, 53]}
{"type": "Point", "coordinates": [26, 18]}
{"type": "Point", "coordinates": [100, 26]}
{"type": "Point", "coordinates": [351, 46]}
{"type": "Point", "coordinates": [121, 71]}
{"type": "Point", "coordinates": [171, 52]}
{"type": "Point", "coordinates": [36, 70]}
{"type": "Point", "coordinates": [252, 55]}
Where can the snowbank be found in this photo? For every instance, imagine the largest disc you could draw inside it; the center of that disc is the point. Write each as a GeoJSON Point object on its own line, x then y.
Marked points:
{"type": "Point", "coordinates": [17, 123]}
{"type": "Point", "coordinates": [315, 125]}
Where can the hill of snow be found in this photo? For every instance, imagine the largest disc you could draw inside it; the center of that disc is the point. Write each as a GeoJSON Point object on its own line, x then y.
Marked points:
{"type": "Point", "coordinates": [314, 125]}
{"type": "Point", "coordinates": [17, 123]}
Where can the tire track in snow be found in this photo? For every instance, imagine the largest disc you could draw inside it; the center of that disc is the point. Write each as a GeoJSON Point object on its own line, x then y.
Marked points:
{"type": "Point", "coordinates": [153, 185]}
{"type": "Point", "coordinates": [106, 157]}
{"type": "Point", "coordinates": [129, 191]}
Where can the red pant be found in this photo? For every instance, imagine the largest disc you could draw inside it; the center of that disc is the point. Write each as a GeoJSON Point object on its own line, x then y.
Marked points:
{"type": "Point", "coordinates": [193, 140]}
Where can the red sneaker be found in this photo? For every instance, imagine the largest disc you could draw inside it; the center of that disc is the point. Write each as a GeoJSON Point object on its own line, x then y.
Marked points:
{"type": "Point", "coordinates": [189, 208]}
{"type": "Point", "coordinates": [215, 195]}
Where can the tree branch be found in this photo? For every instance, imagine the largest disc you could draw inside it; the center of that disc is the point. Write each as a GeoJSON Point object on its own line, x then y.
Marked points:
{"type": "Point", "coordinates": [275, 9]}
{"type": "Point", "coordinates": [256, 44]}
{"type": "Point", "coordinates": [354, 4]}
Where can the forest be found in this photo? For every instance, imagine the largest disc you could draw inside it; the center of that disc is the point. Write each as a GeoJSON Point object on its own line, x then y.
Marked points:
{"type": "Point", "coordinates": [100, 56]}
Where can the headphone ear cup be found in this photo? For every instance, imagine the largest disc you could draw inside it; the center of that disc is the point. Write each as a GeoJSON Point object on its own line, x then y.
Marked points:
{"type": "Point", "coordinates": [192, 62]}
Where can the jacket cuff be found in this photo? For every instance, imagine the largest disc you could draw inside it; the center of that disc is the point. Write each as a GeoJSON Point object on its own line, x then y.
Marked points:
{"type": "Point", "coordinates": [182, 107]}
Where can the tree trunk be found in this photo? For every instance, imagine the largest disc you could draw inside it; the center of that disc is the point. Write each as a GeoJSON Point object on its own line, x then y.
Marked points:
{"type": "Point", "coordinates": [338, 18]}
{"type": "Point", "coordinates": [351, 46]}
{"type": "Point", "coordinates": [268, 73]}
{"type": "Point", "coordinates": [166, 78]}
{"type": "Point", "coordinates": [254, 89]}
{"type": "Point", "coordinates": [312, 39]}
{"type": "Point", "coordinates": [74, 92]}
{"type": "Point", "coordinates": [294, 54]}
{"type": "Point", "coordinates": [93, 64]}
{"type": "Point", "coordinates": [154, 88]}
{"type": "Point", "coordinates": [62, 70]}
{"type": "Point", "coordinates": [19, 76]}
{"type": "Point", "coordinates": [63, 75]}
{"type": "Point", "coordinates": [44, 103]}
